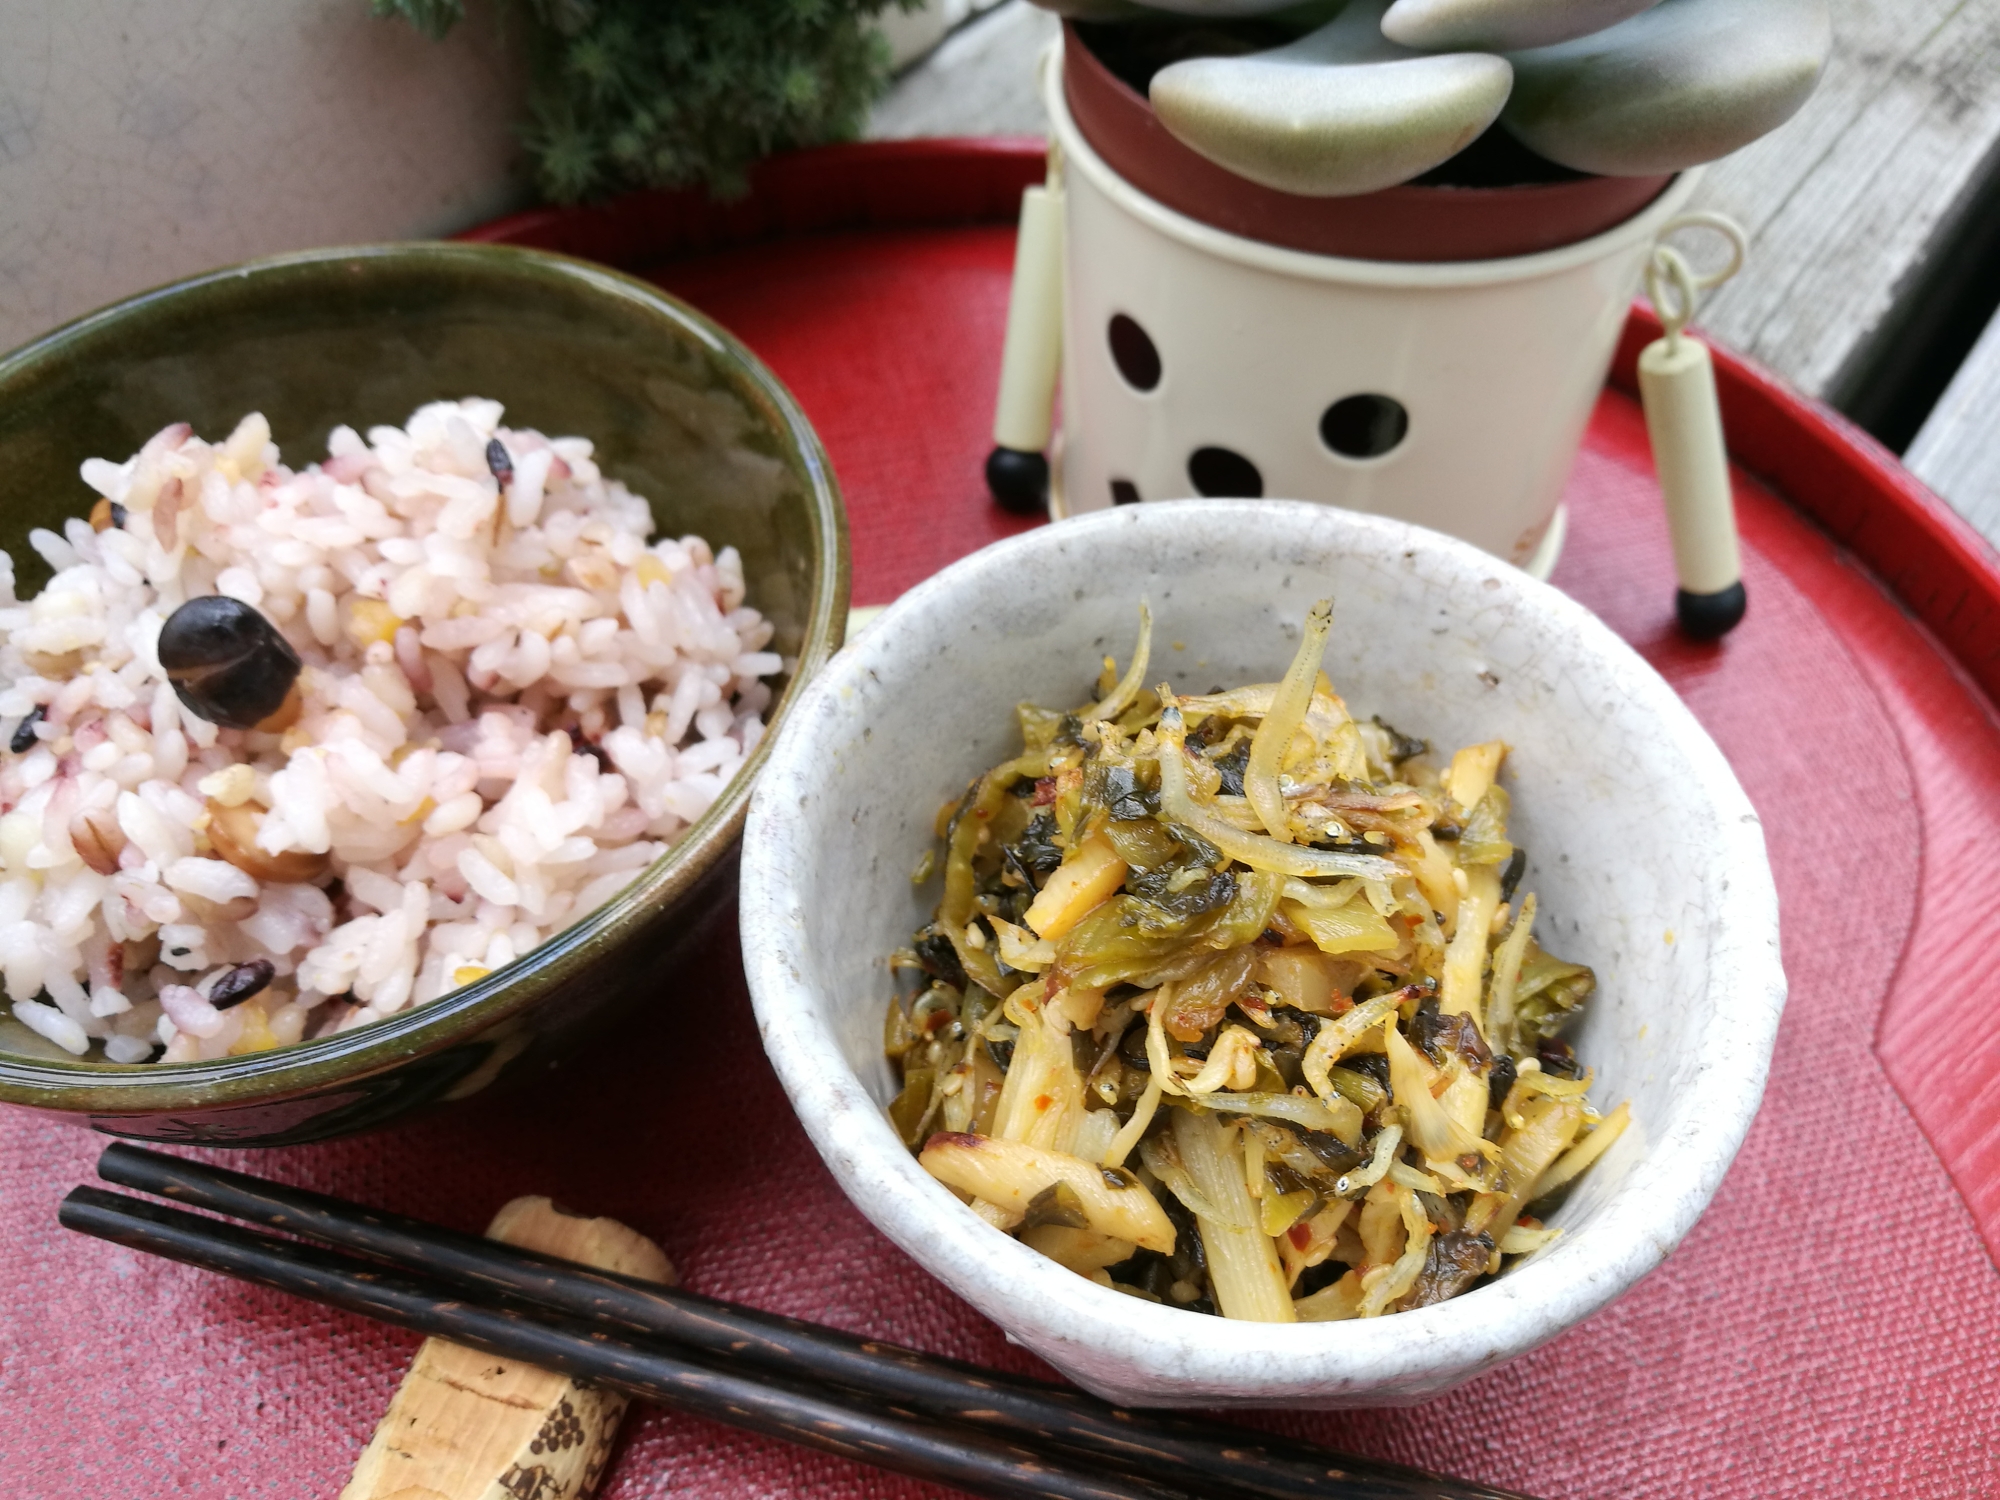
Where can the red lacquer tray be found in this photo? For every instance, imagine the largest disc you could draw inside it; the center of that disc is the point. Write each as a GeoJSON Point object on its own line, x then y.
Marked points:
{"type": "Point", "coordinates": [1832, 1327]}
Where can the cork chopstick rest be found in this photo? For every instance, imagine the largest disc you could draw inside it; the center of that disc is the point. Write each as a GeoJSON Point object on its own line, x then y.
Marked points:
{"type": "Point", "coordinates": [471, 1426]}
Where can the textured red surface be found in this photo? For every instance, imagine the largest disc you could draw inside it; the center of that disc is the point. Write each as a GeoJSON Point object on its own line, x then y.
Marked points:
{"type": "Point", "coordinates": [1832, 1326]}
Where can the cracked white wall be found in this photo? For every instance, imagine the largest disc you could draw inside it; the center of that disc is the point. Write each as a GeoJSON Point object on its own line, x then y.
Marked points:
{"type": "Point", "coordinates": [145, 140]}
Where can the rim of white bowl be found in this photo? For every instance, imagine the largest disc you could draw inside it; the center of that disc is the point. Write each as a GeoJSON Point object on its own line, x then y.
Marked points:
{"type": "Point", "coordinates": [1190, 1357]}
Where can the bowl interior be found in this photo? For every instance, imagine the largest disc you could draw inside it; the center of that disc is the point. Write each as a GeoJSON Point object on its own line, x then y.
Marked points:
{"type": "Point", "coordinates": [1644, 854]}
{"type": "Point", "coordinates": [678, 410]}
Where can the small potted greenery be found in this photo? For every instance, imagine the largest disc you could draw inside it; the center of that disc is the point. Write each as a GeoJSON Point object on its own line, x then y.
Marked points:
{"type": "Point", "coordinates": [1375, 253]}
{"type": "Point", "coordinates": [637, 94]}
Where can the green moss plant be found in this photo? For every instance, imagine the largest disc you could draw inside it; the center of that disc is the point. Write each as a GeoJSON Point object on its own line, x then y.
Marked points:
{"type": "Point", "coordinates": [672, 93]}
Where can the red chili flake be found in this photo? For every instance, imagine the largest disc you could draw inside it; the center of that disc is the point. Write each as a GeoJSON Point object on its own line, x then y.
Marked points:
{"type": "Point", "coordinates": [1300, 1235]}
{"type": "Point", "coordinates": [1045, 791]}
{"type": "Point", "coordinates": [1342, 1004]}
{"type": "Point", "coordinates": [1043, 1101]}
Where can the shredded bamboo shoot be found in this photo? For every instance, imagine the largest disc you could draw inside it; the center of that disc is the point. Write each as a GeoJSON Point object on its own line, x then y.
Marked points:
{"type": "Point", "coordinates": [1142, 1117]}
{"type": "Point", "coordinates": [1431, 1127]}
{"type": "Point", "coordinates": [1355, 927]}
{"type": "Point", "coordinates": [1472, 772]}
{"type": "Point", "coordinates": [1336, 1116]}
{"type": "Point", "coordinates": [1083, 883]}
{"type": "Point", "coordinates": [1042, 1099]}
{"type": "Point", "coordinates": [1433, 872]}
{"type": "Point", "coordinates": [1522, 1241]}
{"type": "Point", "coordinates": [1243, 1264]}
{"type": "Point", "coordinates": [1463, 982]}
{"type": "Point", "coordinates": [1162, 1158]}
{"type": "Point", "coordinates": [1332, 1304]}
{"type": "Point", "coordinates": [1288, 710]}
{"type": "Point", "coordinates": [1095, 1130]}
{"type": "Point", "coordinates": [1527, 1151]}
{"type": "Point", "coordinates": [1011, 1175]}
{"type": "Point", "coordinates": [1080, 1250]}
{"type": "Point", "coordinates": [1573, 1161]}
{"type": "Point", "coordinates": [1300, 1253]}
{"type": "Point", "coordinates": [1383, 1285]}
{"type": "Point", "coordinates": [1000, 1218]}
{"type": "Point", "coordinates": [1500, 1028]}
{"type": "Point", "coordinates": [1304, 978]}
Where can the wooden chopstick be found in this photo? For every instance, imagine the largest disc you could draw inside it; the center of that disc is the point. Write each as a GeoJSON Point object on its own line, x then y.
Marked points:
{"type": "Point", "coordinates": [885, 1437]}
{"type": "Point", "coordinates": [1208, 1457]}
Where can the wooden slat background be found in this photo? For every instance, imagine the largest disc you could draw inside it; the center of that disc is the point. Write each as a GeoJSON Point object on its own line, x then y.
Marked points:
{"type": "Point", "coordinates": [1958, 452]}
{"type": "Point", "coordinates": [1845, 202]}
{"type": "Point", "coordinates": [980, 81]}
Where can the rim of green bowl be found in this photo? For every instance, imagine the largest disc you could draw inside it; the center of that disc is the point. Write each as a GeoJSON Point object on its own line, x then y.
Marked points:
{"type": "Point", "coordinates": [145, 1088]}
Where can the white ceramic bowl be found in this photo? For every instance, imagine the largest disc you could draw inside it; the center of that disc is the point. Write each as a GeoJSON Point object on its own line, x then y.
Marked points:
{"type": "Point", "coordinates": [1646, 855]}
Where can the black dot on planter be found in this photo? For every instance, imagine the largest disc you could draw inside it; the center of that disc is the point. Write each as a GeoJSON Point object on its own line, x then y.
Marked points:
{"type": "Point", "coordinates": [1224, 474]}
{"type": "Point", "coordinates": [1364, 426]}
{"type": "Point", "coordinates": [1133, 351]}
{"type": "Point", "coordinates": [1124, 492]}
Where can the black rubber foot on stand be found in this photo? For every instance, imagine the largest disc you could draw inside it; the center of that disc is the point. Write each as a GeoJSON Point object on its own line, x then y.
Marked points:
{"type": "Point", "coordinates": [1019, 481]}
{"type": "Point", "coordinates": [1709, 617]}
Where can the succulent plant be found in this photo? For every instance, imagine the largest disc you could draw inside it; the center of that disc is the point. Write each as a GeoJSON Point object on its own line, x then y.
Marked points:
{"type": "Point", "coordinates": [1383, 91]}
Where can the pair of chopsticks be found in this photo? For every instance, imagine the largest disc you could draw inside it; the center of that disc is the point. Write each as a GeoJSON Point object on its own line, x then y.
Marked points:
{"type": "Point", "coordinates": [935, 1419]}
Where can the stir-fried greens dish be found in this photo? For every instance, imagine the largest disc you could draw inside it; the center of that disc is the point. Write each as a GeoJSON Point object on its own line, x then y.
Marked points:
{"type": "Point", "coordinates": [1232, 1003]}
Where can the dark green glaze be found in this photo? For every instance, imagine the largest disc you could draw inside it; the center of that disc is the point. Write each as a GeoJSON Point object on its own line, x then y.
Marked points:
{"type": "Point", "coordinates": [678, 409]}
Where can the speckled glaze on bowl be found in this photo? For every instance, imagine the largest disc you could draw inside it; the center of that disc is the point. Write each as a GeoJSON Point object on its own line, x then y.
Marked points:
{"type": "Point", "coordinates": [678, 409]}
{"type": "Point", "coordinates": [1647, 857]}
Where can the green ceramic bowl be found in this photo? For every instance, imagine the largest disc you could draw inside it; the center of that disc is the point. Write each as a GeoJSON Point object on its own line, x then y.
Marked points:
{"type": "Point", "coordinates": [679, 410]}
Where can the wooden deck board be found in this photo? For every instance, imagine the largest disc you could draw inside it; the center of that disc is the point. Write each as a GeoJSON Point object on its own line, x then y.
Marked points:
{"type": "Point", "coordinates": [979, 81]}
{"type": "Point", "coordinates": [1958, 452]}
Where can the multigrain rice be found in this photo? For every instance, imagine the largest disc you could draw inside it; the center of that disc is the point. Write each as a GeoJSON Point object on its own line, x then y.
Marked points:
{"type": "Point", "coordinates": [512, 704]}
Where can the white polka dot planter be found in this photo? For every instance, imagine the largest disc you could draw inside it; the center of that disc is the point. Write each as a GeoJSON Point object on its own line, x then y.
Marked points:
{"type": "Point", "coordinates": [1646, 857]}
{"type": "Point", "coordinates": [1453, 394]}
